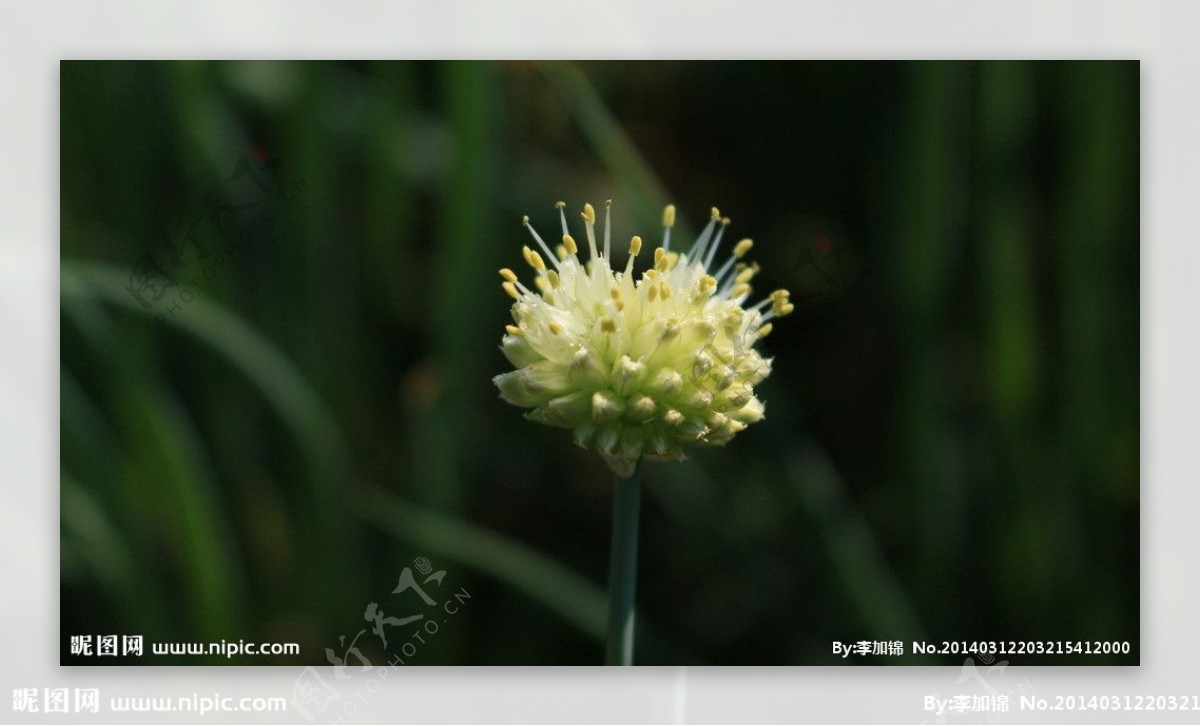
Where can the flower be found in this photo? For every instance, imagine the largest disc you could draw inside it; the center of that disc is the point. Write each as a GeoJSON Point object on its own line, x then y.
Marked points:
{"type": "Point", "coordinates": [638, 366]}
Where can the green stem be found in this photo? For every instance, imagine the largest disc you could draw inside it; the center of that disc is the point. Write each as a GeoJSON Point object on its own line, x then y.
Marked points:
{"type": "Point", "coordinates": [622, 568]}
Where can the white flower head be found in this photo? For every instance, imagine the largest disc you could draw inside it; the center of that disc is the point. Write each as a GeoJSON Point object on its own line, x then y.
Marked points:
{"type": "Point", "coordinates": [638, 366]}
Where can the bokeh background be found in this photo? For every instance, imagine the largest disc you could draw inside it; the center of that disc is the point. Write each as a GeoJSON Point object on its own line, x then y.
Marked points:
{"type": "Point", "coordinates": [281, 316]}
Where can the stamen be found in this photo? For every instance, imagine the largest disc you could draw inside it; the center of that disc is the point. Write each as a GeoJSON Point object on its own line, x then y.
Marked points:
{"type": "Point", "coordinates": [759, 305]}
{"type": "Point", "coordinates": [635, 246]}
{"type": "Point", "coordinates": [780, 298]}
{"type": "Point", "coordinates": [589, 219]}
{"type": "Point", "coordinates": [668, 223]}
{"type": "Point", "coordinates": [607, 229]}
{"type": "Point", "coordinates": [712, 253]}
{"type": "Point", "coordinates": [537, 238]}
{"type": "Point", "coordinates": [780, 305]}
{"type": "Point", "coordinates": [569, 243]}
{"type": "Point", "coordinates": [508, 274]}
{"type": "Point", "coordinates": [562, 214]}
{"type": "Point", "coordinates": [697, 250]}
{"type": "Point", "coordinates": [744, 275]}
{"type": "Point", "coordinates": [739, 251]}
{"type": "Point", "coordinates": [670, 328]}
{"type": "Point", "coordinates": [511, 289]}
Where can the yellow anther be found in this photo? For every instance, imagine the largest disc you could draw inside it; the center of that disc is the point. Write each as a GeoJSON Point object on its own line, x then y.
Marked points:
{"type": "Point", "coordinates": [669, 216]}
{"type": "Point", "coordinates": [536, 261]}
{"type": "Point", "coordinates": [635, 245]}
{"type": "Point", "coordinates": [561, 251]}
{"type": "Point", "coordinates": [514, 330]}
{"type": "Point", "coordinates": [779, 301]}
{"type": "Point", "coordinates": [511, 289]}
{"type": "Point", "coordinates": [608, 325]}
{"type": "Point", "coordinates": [559, 204]}
{"type": "Point", "coordinates": [541, 284]}
{"type": "Point", "coordinates": [672, 258]}
{"type": "Point", "coordinates": [525, 253]}
{"type": "Point", "coordinates": [652, 294]}
{"type": "Point", "coordinates": [716, 213]}
{"type": "Point", "coordinates": [741, 248]}
{"type": "Point", "coordinates": [765, 330]}
{"type": "Point", "coordinates": [589, 214]}
{"type": "Point", "coordinates": [620, 305]}
{"type": "Point", "coordinates": [708, 283]}
{"type": "Point", "coordinates": [739, 290]}
{"type": "Point", "coordinates": [525, 220]}
{"type": "Point", "coordinates": [664, 290]}
{"type": "Point", "coordinates": [725, 221]}
{"type": "Point", "coordinates": [508, 274]}
{"type": "Point", "coordinates": [552, 275]}
{"type": "Point", "coordinates": [569, 243]}
{"type": "Point", "coordinates": [555, 327]}
{"type": "Point", "coordinates": [780, 304]}
{"type": "Point", "coordinates": [615, 292]}
{"type": "Point", "coordinates": [660, 256]}
{"type": "Point", "coordinates": [670, 328]}
{"type": "Point", "coordinates": [745, 275]}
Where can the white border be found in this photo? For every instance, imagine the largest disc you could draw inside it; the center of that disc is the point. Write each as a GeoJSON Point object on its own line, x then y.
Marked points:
{"type": "Point", "coordinates": [33, 37]}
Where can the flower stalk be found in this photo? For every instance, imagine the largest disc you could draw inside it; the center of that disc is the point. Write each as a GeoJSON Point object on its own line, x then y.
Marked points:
{"type": "Point", "coordinates": [622, 568]}
{"type": "Point", "coordinates": [637, 365]}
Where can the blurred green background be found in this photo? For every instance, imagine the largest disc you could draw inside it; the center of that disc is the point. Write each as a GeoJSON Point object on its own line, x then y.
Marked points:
{"type": "Point", "coordinates": [951, 443]}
